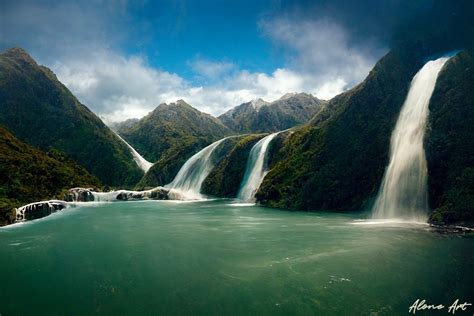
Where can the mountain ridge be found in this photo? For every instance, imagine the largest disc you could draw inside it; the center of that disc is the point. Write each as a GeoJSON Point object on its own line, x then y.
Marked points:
{"type": "Point", "coordinates": [319, 156]}
{"type": "Point", "coordinates": [340, 156]}
{"type": "Point", "coordinates": [259, 116]}
{"type": "Point", "coordinates": [38, 109]}
{"type": "Point", "coordinates": [158, 131]}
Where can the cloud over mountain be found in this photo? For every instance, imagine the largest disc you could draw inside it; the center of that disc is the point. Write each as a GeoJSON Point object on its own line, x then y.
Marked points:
{"type": "Point", "coordinates": [122, 59]}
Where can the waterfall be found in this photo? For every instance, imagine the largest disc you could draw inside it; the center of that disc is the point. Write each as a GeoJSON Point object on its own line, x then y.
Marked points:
{"type": "Point", "coordinates": [255, 170]}
{"type": "Point", "coordinates": [403, 192]}
{"type": "Point", "coordinates": [187, 183]}
{"type": "Point", "coordinates": [141, 162]}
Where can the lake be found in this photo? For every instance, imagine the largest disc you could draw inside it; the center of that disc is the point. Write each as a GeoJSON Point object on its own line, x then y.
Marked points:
{"type": "Point", "coordinates": [220, 258]}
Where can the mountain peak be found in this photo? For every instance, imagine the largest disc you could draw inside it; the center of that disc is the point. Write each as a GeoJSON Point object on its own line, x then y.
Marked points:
{"type": "Point", "coordinates": [177, 104]}
{"type": "Point", "coordinates": [288, 95]}
{"type": "Point", "coordinates": [181, 101]}
{"type": "Point", "coordinates": [44, 99]}
{"type": "Point", "coordinates": [258, 116]}
{"type": "Point", "coordinates": [18, 54]}
{"type": "Point", "coordinates": [258, 103]}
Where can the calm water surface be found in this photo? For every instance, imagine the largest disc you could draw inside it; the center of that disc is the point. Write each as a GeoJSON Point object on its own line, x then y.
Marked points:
{"type": "Point", "coordinates": [159, 257]}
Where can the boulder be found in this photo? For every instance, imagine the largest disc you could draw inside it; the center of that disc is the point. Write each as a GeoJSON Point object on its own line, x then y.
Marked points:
{"type": "Point", "coordinates": [158, 193]}
{"type": "Point", "coordinates": [39, 209]}
{"type": "Point", "coordinates": [79, 195]}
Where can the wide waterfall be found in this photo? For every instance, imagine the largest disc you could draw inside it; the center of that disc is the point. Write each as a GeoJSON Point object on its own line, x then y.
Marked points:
{"type": "Point", "coordinates": [255, 170]}
{"type": "Point", "coordinates": [141, 162]}
{"type": "Point", "coordinates": [403, 192]}
{"type": "Point", "coordinates": [187, 183]}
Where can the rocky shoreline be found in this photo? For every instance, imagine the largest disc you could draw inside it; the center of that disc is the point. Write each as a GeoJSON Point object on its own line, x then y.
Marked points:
{"type": "Point", "coordinates": [38, 209]}
{"type": "Point", "coordinates": [41, 209]}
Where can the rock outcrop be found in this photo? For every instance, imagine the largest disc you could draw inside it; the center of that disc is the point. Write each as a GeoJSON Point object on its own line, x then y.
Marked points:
{"type": "Point", "coordinates": [158, 193]}
{"type": "Point", "coordinates": [90, 195]}
{"type": "Point", "coordinates": [39, 209]}
{"type": "Point", "coordinates": [44, 208]}
{"type": "Point", "coordinates": [79, 195]}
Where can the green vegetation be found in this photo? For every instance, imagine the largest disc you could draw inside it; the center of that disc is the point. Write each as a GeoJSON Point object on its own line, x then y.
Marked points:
{"type": "Point", "coordinates": [29, 175]}
{"type": "Point", "coordinates": [261, 117]}
{"type": "Point", "coordinates": [129, 123]}
{"type": "Point", "coordinates": [450, 143]}
{"type": "Point", "coordinates": [165, 169]}
{"type": "Point", "coordinates": [171, 128]}
{"type": "Point", "coordinates": [169, 136]}
{"type": "Point", "coordinates": [336, 162]}
{"type": "Point", "coordinates": [224, 180]}
{"type": "Point", "coordinates": [41, 111]}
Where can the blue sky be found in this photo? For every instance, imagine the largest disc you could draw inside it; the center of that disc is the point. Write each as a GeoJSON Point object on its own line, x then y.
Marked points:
{"type": "Point", "coordinates": [123, 58]}
{"type": "Point", "coordinates": [176, 33]}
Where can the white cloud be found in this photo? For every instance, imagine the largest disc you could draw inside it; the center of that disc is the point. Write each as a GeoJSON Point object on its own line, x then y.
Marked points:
{"type": "Point", "coordinates": [211, 69]}
{"type": "Point", "coordinates": [117, 88]}
{"type": "Point", "coordinates": [320, 51]}
{"type": "Point", "coordinates": [82, 48]}
{"type": "Point", "coordinates": [331, 88]}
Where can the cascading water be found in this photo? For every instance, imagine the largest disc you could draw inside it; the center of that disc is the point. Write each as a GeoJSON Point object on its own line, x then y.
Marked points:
{"type": "Point", "coordinates": [255, 170]}
{"type": "Point", "coordinates": [158, 193]}
{"type": "Point", "coordinates": [106, 196]}
{"type": "Point", "coordinates": [187, 183]}
{"type": "Point", "coordinates": [403, 193]}
{"type": "Point", "coordinates": [141, 162]}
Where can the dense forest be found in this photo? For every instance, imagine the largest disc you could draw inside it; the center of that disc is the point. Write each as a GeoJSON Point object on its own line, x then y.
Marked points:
{"type": "Point", "coordinates": [28, 174]}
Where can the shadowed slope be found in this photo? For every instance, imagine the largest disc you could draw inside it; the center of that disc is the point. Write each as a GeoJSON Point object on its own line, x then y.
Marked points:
{"type": "Point", "coordinates": [41, 111]}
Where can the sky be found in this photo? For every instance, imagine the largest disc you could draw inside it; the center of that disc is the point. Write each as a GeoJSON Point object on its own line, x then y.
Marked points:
{"type": "Point", "coordinates": [123, 58]}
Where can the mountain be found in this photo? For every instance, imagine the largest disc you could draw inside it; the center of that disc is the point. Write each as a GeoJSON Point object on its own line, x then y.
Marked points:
{"type": "Point", "coordinates": [165, 169]}
{"type": "Point", "coordinates": [224, 180]}
{"type": "Point", "coordinates": [259, 116]}
{"type": "Point", "coordinates": [124, 124]}
{"type": "Point", "coordinates": [227, 176]}
{"type": "Point", "coordinates": [41, 111]}
{"type": "Point", "coordinates": [449, 142]}
{"type": "Point", "coordinates": [172, 126]}
{"type": "Point", "coordinates": [336, 162]}
{"type": "Point", "coordinates": [28, 175]}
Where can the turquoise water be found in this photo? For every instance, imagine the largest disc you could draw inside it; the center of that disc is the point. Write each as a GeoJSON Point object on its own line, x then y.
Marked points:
{"type": "Point", "coordinates": [158, 257]}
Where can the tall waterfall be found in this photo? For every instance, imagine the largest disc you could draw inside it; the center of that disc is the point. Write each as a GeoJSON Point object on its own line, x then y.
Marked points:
{"type": "Point", "coordinates": [141, 162]}
{"type": "Point", "coordinates": [187, 183]}
{"type": "Point", "coordinates": [255, 170]}
{"type": "Point", "coordinates": [403, 193]}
